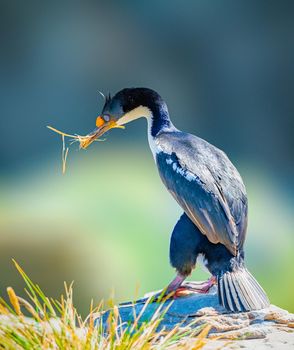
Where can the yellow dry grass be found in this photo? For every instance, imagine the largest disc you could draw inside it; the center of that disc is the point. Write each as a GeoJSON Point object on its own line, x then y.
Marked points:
{"type": "Point", "coordinates": [56, 324]}
{"type": "Point", "coordinates": [83, 140]}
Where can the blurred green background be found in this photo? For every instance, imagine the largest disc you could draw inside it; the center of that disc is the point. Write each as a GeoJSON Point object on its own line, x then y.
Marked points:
{"type": "Point", "coordinates": [226, 71]}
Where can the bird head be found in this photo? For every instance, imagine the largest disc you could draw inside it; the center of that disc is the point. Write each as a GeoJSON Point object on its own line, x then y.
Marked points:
{"type": "Point", "coordinates": [124, 107]}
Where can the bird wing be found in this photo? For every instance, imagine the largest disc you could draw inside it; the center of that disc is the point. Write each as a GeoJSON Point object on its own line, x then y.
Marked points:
{"type": "Point", "coordinates": [207, 187]}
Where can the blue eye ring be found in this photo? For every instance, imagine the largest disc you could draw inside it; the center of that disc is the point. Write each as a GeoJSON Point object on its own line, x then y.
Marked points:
{"type": "Point", "coordinates": [106, 117]}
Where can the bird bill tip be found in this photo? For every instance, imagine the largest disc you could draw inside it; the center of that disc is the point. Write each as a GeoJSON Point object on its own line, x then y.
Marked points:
{"type": "Point", "coordinates": [101, 128]}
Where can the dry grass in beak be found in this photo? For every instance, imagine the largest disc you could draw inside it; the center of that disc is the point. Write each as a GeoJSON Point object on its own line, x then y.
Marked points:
{"type": "Point", "coordinates": [64, 155]}
{"type": "Point", "coordinates": [84, 142]}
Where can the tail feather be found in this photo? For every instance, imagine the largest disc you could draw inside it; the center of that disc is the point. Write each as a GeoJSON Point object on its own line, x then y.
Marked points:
{"type": "Point", "coordinates": [239, 291]}
{"type": "Point", "coordinates": [234, 293]}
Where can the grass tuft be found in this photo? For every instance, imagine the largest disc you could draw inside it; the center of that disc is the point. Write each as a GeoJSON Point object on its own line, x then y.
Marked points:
{"type": "Point", "coordinates": [56, 324]}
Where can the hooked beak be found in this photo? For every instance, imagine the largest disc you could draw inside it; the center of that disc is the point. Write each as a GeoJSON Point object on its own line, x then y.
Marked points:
{"type": "Point", "coordinates": [101, 128]}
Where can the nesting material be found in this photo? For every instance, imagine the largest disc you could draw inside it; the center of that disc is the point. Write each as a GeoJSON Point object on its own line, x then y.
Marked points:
{"type": "Point", "coordinates": [84, 142]}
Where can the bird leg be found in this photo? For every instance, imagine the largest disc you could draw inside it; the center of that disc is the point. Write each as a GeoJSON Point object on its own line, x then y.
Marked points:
{"type": "Point", "coordinates": [175, 284]}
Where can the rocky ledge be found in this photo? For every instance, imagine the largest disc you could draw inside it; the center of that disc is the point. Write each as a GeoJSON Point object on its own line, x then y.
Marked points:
{"type": "Point", "coordinates": [270, 328]}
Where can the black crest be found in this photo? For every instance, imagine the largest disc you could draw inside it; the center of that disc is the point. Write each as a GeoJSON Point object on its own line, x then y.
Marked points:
{"type": "Point", "coordinates": [107, 98]}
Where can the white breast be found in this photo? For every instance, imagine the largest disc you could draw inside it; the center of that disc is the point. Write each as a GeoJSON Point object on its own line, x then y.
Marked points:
{"type": "Point", "coordinates": [202, 261]}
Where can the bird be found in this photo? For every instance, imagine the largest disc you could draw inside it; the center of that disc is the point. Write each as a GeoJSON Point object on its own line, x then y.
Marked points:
{"type": "Point", "coordinates": [209, 190]}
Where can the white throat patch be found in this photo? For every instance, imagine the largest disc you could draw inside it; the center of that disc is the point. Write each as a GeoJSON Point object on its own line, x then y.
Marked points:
{"type": "Point", "coordinates": [134, 114]}
{"type": "Point", "coordinates": [139, 112]}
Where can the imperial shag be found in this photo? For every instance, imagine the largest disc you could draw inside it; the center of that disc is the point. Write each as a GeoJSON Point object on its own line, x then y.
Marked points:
{"type": "Point", "coordinates": [210, 191]}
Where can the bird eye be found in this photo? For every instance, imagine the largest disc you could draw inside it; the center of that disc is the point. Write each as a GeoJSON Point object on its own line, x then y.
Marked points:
{"type": "Point", "coordinates": [106, 117]}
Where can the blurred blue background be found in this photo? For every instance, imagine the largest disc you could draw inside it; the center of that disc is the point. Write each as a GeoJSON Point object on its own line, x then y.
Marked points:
{"type": "Point", "coordinates": [226, 71]}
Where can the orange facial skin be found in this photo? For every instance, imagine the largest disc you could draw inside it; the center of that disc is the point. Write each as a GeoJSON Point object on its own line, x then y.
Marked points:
{"type": "Point", "coordinates": [99, 121]}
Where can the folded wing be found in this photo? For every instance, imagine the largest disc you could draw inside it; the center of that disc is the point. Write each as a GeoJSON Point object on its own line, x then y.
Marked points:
{"type": "Point", "coordinates": [207, 186]}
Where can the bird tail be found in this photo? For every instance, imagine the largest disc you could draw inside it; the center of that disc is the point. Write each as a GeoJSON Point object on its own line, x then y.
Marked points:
{"type": "Point", "coordinates": [239, 291]}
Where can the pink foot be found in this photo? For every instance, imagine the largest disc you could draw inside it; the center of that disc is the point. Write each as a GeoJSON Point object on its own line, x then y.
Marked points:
{"type": "Point", "coordinates": [203, 287]}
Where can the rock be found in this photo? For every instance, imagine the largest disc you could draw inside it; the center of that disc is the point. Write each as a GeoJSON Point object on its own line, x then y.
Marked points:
{"type": "Point", "coordinates": [268, 328]}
